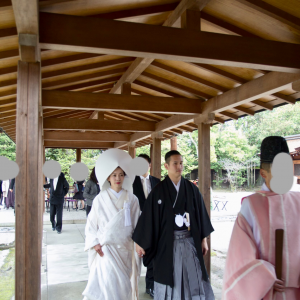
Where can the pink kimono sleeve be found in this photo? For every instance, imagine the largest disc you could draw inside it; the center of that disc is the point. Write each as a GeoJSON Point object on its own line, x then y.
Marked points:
{"type": "Point", "coordinates": [246, 276]}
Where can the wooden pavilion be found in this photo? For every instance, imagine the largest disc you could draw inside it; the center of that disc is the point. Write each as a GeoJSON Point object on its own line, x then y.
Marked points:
{"type": "Point", "coordinates": [126, 73]}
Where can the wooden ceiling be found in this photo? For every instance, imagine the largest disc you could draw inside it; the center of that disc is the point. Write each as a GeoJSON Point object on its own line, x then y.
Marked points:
{"type": "Point", "coordinates": [86, 57]}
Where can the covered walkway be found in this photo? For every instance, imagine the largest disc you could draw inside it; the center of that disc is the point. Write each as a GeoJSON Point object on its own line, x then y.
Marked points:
{"type": "Point", "coordinates": [123, 74]}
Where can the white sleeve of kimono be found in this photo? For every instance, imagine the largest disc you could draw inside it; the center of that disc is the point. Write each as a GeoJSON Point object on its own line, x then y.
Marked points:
{"type": "Point", "coordinates": [91, 228]}
{"type": "Point", "coordinates": [135, 211]}
{"type": "Point", "coordinates": [246, 211]}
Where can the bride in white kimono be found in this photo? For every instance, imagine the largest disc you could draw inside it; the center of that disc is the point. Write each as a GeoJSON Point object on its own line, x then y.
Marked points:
{"type": "Point", "coordinates": [114, 267]}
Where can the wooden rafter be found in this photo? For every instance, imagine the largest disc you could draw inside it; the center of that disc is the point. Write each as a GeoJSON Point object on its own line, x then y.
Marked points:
{"type": "Point", "coordinates": [176, 85]}
{"type": "Point", "coordinates": [229, 115]}
{"type": "Point", "coordinates": [273, 12]}
{"type": "Point", "coordinates": [144, 40]}
{"type": "Point", "coordinates": [189, 76]}
{"type": "Point", "coordinates": [252, 90]}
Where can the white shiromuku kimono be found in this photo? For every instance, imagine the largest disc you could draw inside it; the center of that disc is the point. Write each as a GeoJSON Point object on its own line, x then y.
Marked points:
{"type": "Point", "coordinates": [110, 223]}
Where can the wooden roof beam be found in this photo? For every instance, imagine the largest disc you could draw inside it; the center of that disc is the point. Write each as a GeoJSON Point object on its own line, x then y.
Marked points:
{"type": "Point", "coordinates": [94, 84]}
{"type": "Point", "coordinates": [135, 12]}
{"type": "Point", "coordinates": [85, 136]}
{"type": "Point", "coordinates": [27, 22]}
{"type": "Point", "coordinates": [268, 84]}
{"type": "Point", "coordinates": [141, 63]}
{"type": "Point", "coordinates": [97, 125]}
{"type": "Point", "coordinates": [262, 104]}
{"type": "Point", "coordinates": [7, 109]}
{"type": "Point", "coordinates": [296, 86]}
{"type": "Point", "coordinates": [229, 115]}
{"type": "Point", "coordinates": [189, 76]}
{"type": "Point", "coordinates": [7, 102]}
{"type": "Point", "coordinates": [245, 110]}
{"type": "Point", "coordinates": [177, 85]}
{"type": "Point", "coordinates": [76, 144]}
{"type": "Point", "coordinates": [4, 115]}
{"type": "Point", "coordinates": [273, 12]}
{"type": "Point", "coordinates": [106, 102]}
{"type": "Point", "coordinates": [129, 39]}
{"type": "Point", "coordinates": [285, 98]}
{"type": "Point", "coordinates": [250, 91]}
{"type": "Point", "coordinates": [155, 88]}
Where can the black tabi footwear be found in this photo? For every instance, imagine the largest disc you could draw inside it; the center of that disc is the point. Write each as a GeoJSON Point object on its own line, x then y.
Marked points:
{"type": "Point", "coordinates": [59, 231]}
{"type": "Point", "coordinates": [150, 292]}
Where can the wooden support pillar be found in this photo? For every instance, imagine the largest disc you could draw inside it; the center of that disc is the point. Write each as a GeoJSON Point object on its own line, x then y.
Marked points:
{"type": "Point", "coordinates": [173, 143]}
{"type": "Point", "coordinates": [41, 180]}
{"type": "Point", "coordinates": [28, 191]}
{"type": "Point", "coordinates": [151, 157]}
{"type": "Point", "coordinates": [131, 149]}
{"type": "Point", "coordinates": [156, 155]}
{"type": "Point", "coordinates": [78, 155]}
{"type": "Point", "coordinates": [204, 173]}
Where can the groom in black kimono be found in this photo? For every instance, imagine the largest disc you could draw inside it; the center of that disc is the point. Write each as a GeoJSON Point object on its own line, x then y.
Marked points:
{"type": "Point", "coordinates": [142, 186]}
{"type": "Point", "coordinates": [172, 232]}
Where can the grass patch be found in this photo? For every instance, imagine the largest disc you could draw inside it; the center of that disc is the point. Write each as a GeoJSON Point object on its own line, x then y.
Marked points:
{"type": "Point", "coordinates": [213, 253]}
{"type": "Point", "coordinates": [7, 276]}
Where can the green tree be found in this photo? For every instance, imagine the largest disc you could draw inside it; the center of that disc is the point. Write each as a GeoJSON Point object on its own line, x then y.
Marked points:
{"type": "Point", "coordinates": [7, 147]}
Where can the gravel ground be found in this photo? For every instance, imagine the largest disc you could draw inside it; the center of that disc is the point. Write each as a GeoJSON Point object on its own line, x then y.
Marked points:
{"type": "Point", "coordinates": [217, 269]}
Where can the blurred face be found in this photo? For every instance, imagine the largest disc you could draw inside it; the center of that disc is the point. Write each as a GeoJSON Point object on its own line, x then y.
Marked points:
{"type": "Point", "coordinates": [149, 166]}
{"type": "Point", "coordinates": [175, 166]}
{"type": "Point", "coordinates": [116, 179]}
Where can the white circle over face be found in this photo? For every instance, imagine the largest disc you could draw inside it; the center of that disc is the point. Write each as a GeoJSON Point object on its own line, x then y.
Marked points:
{"type": "Point", "coordinates": [282, 173]}
{"type": "Point", "coordinates": [79, 171]}
{"type": "Point", "coordinates": [51, 169]}
{"type": "Point", "coordinates": [8, 169]}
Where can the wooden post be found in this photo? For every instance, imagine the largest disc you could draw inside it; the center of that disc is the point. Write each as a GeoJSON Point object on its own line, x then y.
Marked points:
{"type": "Point", "coordinates": [204, 176]}
{"type": "Point", "coordinates": [173, 142]}
{"type": "Point", "coordinates": [28, 266]}
{"type": "Point", "coordinates": [131, 149]}
{"type": "Point", "coordinates": [151, 157]}
{"type": "Point", "coordinates": [156, 156]}
{"type": "Point", "coordinates": [41, 180]}
{"type": "Point", "coordinates": [78, 155]}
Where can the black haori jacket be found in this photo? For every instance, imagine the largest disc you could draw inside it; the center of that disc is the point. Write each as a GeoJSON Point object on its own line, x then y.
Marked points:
{"type": "Point", "coordinates": [155, 228]}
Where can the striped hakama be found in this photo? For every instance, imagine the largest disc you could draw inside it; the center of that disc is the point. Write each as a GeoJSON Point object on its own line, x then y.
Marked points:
{"type": "Point", "coordinates": [188, 283]}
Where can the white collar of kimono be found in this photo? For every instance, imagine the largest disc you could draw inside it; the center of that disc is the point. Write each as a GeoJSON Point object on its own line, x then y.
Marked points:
{"type": "Point", "coordinates": [177, 186]}
{"type": "Point", "coordinates": [115, 193]}
{"type": "Point", "coordinates": [142, 177]}
{"type": "Point", "coordinates": [265, 188]}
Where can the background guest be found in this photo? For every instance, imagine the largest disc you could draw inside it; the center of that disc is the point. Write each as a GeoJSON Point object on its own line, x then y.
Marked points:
{"type": "Point", "coordinates": [91, 190]}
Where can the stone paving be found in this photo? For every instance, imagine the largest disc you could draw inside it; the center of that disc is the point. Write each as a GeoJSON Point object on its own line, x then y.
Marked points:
{"type": "Point", "coordinates": [64, 265]}
{"type": "Point", "coordinates": [65, 270]}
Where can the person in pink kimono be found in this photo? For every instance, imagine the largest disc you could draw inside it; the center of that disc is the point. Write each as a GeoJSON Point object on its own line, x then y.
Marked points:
{"type": "Point", "coordinates": [250, 265]}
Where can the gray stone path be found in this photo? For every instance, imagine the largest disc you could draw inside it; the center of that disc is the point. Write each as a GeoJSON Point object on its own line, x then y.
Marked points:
{"type": "Point", "coordinates": [64, 265]}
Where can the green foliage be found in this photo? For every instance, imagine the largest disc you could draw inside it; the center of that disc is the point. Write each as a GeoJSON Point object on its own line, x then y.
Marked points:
{"type": "Point", "coordinates": [7, 147]}
{"type": "Point", "coordinates": [282, 121]}
{"type": "Point", "coordinates": [237, 142]}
